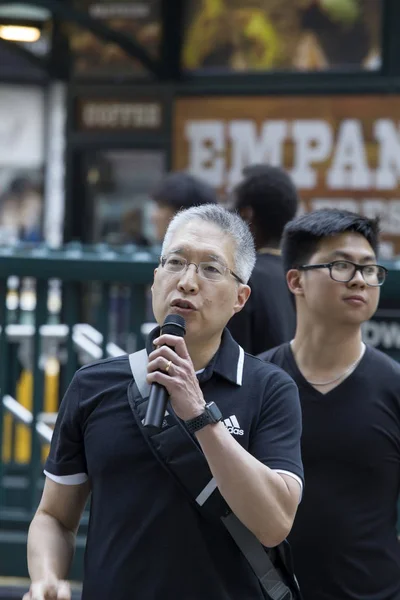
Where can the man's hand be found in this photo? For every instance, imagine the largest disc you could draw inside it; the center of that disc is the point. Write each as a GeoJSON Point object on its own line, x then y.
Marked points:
{"type": "Point", "coordinates": [174, 370]}
{"type": "Point", "coordinates": [49, 589]}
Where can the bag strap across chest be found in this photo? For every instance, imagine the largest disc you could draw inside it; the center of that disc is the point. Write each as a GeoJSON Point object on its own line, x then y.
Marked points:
{"type": "Point", "coordinates": [180, 455]}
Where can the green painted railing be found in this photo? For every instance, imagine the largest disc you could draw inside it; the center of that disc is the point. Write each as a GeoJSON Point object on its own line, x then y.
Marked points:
{"type": "Point", "coordinates": [100, 286]}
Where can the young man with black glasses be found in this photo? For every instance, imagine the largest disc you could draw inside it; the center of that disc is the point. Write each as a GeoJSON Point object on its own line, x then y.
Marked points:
{"type": "Point", "coordinates": [344, 538]}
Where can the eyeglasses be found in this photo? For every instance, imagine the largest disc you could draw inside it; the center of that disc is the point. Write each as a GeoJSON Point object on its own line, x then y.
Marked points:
{"type": "Point", "coordinates": [212, 270]}
{"type": "Point", "coordinates": [343, 271]}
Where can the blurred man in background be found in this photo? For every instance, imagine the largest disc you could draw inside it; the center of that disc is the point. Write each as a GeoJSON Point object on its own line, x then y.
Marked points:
{"type": "Point", "coordinates": [266, 199]}
{"type": "Point", "coordinates": [174, 192]}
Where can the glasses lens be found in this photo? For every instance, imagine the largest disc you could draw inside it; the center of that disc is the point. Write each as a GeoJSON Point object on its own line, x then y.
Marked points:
{"type": "Point", "coordinates": [174, 264]}
{"type": "Point", "coordinates": [342, 271]}
{"type": "Point", "coordinates": [212, 271]}
{"type": "Point", "coordinates": [374, 275]}
{"type": "Point", "coordinates": [381, 275]}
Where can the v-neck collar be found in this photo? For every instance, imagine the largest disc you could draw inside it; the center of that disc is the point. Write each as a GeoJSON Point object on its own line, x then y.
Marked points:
{"type": "Point", "coordinates": [302, 381]}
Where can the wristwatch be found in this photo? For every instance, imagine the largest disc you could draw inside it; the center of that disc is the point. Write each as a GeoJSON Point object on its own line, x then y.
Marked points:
{"type": "Point", "coordinates": [211, 414]}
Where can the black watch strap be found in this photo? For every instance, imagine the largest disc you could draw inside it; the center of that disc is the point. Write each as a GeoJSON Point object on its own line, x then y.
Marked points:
{"type": "Point", "coordinates": [211, 415]}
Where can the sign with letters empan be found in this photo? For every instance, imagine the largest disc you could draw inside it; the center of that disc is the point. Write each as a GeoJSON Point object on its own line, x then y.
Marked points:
{"type": "Point", "coordinates": [341, 151]}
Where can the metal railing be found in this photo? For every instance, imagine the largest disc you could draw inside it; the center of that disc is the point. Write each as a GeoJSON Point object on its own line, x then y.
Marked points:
{"type": "Point", "coordinates": [23, 415]}
{"type": "Point", "coordinates": [88, 342]}
{"type": "Point", "coordinates": [100, 299]}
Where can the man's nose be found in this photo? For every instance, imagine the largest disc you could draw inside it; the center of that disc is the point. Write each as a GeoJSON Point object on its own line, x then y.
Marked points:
{"type": "Point", "coordinates": [188, 281]}
{"type": "Point", "coordinates": [357, 280]}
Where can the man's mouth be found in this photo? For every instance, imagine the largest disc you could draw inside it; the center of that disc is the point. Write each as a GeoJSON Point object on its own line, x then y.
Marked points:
{"type": "Point", "coordinates": [357, 300]}
{"type": "Point", "coordinates": [182, 305]}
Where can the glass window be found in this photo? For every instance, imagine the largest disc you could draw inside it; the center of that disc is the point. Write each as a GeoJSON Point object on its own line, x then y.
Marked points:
{"type": "Point", "coordinates": [21, 163]}
{"type": "Point", "coordinates": [118, 183]}
{"type": "Point", "coordinates": [118, 186]}
{"type": "Point", "coordinates": [94, 56]}
{"type": "Point", "coordinates": [298, 35]}
{"type": "Point", "coordinates": [21, 205]}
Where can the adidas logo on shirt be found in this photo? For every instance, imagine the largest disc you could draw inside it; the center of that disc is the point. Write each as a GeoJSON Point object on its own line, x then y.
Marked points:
{"type": "Point", "coordinates": [232, 425]}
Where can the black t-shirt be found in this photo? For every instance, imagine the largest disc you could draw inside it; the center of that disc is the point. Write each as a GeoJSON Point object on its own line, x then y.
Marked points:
{"type": "Point", "coordinates": [145, 539]}
{"type": "Point", "coordinates": [344, 537]}
{"type": "Point", "coordinates": [268, 317]}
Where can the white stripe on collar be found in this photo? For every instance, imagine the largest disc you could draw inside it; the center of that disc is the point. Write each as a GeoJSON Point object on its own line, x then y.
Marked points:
{"type": "Point", "coordinates": [239, 373]}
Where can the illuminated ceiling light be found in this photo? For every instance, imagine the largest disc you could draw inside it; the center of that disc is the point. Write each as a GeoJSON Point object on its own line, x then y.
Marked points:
{"type": "Point", "coordinates": [19, 33]}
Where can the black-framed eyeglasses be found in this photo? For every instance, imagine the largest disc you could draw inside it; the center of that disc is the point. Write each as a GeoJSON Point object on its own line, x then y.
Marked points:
{"type": "Point", "coordinates": [210, 270]}
{"type": "Point", "coordinates": [343, 271]}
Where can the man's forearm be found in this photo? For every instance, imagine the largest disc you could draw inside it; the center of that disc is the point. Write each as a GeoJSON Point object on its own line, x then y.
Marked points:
{"type": "Point", "coordinates": [50, 548]}
{"type": "Point", "coordinates": [258, 496]}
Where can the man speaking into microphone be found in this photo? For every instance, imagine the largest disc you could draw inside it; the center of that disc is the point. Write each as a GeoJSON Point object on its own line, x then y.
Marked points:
{"type": "Point", "coordinates": [231, 430]}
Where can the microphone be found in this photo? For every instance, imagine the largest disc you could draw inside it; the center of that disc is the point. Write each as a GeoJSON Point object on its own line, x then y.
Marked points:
{"type": "Point", "coordinates": [158, 398]}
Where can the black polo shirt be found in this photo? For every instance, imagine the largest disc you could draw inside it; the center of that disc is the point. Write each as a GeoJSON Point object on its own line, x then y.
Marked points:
{"type": "Point", "coordinates": [268, 317]}
{"type": "Point", "coordinates": [145, 538]}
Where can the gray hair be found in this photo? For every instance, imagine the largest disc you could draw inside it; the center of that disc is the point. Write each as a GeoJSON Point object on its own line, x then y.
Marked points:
{"type": "Point", "coordinates": [230, 223]}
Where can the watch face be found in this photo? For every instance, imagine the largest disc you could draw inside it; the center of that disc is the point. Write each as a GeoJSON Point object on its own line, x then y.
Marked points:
{"type": "Point", "coordinates": [214, 412]}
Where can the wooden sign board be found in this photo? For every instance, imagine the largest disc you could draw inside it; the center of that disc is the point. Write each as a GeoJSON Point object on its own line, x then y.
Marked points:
{"type": "Point", "coordinates": [341, 151]}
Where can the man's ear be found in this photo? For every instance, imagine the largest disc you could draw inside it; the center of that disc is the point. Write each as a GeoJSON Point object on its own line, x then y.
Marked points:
{"type": "Point", "coordinates": [154, 276]}
{"type": "Point", "coordinates": [295, 282]}
{"type": "Point", "coordinates": [243, 295]}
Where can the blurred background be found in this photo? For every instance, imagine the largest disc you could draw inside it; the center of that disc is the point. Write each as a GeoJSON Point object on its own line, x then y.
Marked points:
{"type": "Point", "coordinates": [99, 99]}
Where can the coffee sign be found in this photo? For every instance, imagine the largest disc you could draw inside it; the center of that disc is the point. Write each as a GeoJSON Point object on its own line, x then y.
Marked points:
{"type": "Point", "coordinates": [119, 115]}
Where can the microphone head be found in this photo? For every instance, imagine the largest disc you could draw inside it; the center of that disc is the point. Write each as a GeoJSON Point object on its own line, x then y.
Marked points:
{"type": "Point", "coordinates": [174, 325]}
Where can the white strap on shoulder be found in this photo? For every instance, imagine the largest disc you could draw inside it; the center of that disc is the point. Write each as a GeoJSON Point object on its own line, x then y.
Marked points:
{"type": "Point", "coordinates": [138, 362]}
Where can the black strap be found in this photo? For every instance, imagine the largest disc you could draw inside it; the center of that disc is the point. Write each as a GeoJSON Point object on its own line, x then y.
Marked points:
{"type": "Point", "coordinates": [208, 496]}
{"type": "Point", "coordinates": [258, 558]}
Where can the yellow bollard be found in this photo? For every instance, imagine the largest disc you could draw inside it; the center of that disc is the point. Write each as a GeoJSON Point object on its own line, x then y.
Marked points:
{"type": "Point", "coordinates": [51, 392]}
{"type": "Point", "coordinates": [24, 397]}
{"type": "Point", "coordinates": [7, 438]}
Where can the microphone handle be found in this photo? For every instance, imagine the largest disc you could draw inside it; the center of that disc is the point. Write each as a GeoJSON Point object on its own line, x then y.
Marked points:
{"type": "Point", "coordinates": [158, 398]}
{"type": "Point", "coordinates": [156, 406]}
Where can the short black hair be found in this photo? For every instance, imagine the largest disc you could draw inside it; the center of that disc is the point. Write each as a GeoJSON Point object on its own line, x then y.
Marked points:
{"type": "Point", "coordinates": [255, 169]}
{"type": "Point", "coordinates": [302, 235]}
{"type": "Point", "coordinates": [181, 190]}
{"type": "Point", "coordinates": [270, 192]}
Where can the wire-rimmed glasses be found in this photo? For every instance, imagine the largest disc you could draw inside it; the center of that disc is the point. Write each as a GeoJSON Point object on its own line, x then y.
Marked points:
{"type": "Point", "coordinates": [210, 270]}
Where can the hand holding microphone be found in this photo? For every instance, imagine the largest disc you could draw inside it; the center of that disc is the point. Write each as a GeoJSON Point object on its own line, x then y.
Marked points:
{"type": "Point", "coordinates": [158, 399]}
{"type": "Point", "coordinates": [171, 373]}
